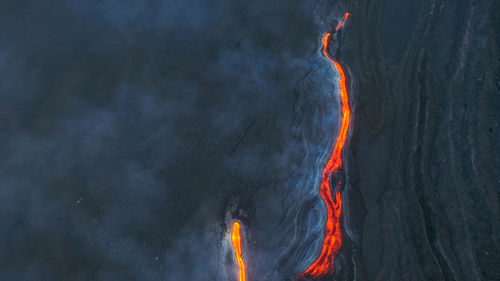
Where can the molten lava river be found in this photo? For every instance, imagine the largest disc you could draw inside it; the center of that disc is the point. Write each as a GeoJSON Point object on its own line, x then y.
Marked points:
{"type": "Point", "coordinates": [236, 241]}
{"type": "Point", "coordinates": [332, 241]}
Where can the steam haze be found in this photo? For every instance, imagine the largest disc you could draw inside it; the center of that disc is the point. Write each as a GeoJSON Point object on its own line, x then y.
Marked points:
{"type": "Point", "coordinates": [133, 133]}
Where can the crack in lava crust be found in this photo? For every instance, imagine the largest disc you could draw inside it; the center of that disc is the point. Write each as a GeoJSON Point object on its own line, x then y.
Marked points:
{"type": "Point", "coordinates": [332, 241]}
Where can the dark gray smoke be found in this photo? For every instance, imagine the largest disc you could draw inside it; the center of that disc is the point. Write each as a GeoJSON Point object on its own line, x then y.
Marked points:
{"type": "Point", "coordinates": [128, 127]}
{"type": "Point", "coordinates": [132, 134]}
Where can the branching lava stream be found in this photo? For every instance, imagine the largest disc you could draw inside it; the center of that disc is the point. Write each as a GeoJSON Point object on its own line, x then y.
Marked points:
{"type": "Point", "coordinates": [332, 241]}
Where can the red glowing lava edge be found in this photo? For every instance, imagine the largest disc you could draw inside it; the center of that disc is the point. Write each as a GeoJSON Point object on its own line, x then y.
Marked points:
{"type": "Point", "coordinates": [332, 241]}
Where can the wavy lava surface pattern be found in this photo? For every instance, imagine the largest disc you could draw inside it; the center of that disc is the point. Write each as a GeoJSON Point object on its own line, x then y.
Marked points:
{"type": "Point", "coordinates": [236, 241]}
{"type": "Point", "coordinates": [332, 241]}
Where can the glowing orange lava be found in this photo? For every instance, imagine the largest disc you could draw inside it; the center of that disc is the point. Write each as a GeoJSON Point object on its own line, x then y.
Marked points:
{"type": "Point", "coordinates": [332, 241]}
{"type": "Point", "coordinates": [342, 22]}
{"type": "Point", "coordinates": [236, 240]}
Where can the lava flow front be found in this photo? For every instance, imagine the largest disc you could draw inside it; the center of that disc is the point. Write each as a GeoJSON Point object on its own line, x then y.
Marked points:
{"type": "Point", "coordinates": [332, 241]}
{"type": "Point", "coordinates": [236, 240]}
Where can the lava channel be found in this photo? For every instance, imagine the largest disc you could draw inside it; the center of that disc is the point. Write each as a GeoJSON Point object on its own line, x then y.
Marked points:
{"type": "Point", "coordinates": [236, 240]}
{"type": "Point", "coordinates": [332, 241]}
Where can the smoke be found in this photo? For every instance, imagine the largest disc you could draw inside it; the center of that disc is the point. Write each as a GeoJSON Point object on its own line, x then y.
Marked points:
{"type": "Point", "coordinates": [128, 127]}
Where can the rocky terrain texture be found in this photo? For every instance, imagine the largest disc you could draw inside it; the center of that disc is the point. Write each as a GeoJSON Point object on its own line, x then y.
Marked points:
{"type": "Point", "coordinates": [132, 134]}
{"type": "Point", "coordinates": [426, 137]}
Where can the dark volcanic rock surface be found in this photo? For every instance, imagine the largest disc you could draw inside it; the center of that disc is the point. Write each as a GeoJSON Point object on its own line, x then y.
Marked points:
{"type": "Point", "coordinates": [426, 137]}
{"type": "Point", "coordinates": [132, 133]}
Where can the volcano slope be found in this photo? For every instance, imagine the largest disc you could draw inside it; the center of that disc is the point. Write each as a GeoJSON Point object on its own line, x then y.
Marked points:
{"type": "Point", "coordinates": [135, 133]}
{"type": "Point", "coordinates": [426, 137]}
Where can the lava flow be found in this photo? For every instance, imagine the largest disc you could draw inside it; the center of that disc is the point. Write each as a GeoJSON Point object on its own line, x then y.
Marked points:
{"type": "Point", "coordinates": [236, 240]}
{"type": "Point", "coordinates": [332, 241]}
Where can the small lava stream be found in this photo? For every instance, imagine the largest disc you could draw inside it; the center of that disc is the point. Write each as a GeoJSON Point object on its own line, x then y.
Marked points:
{"type": "Point", "coordinates": [236, 240]}
{"type": "Point", "coordinates": [332, 241]}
